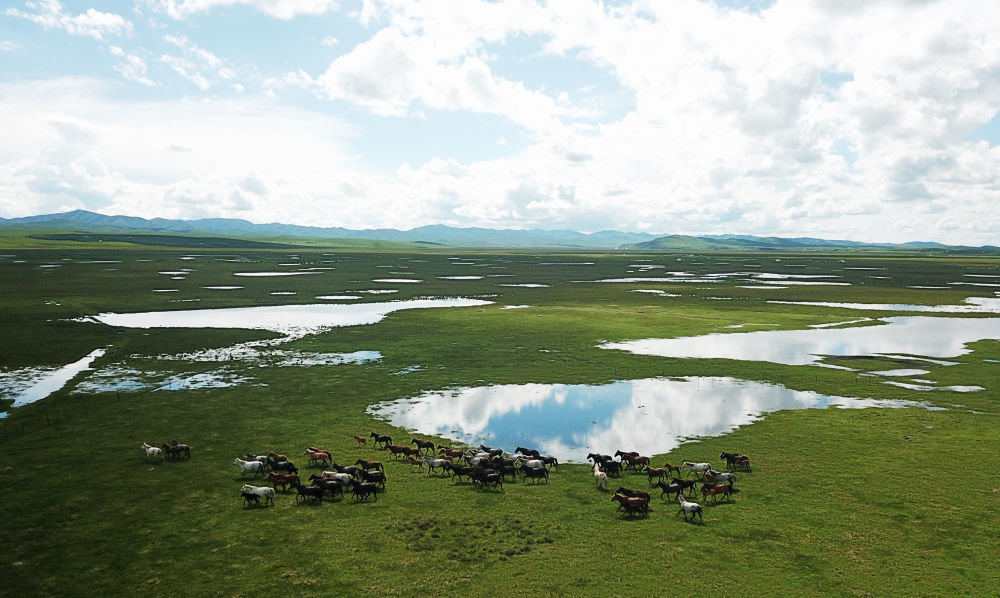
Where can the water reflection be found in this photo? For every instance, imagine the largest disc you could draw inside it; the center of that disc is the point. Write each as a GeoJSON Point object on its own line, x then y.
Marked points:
{"type": "Point", "coordinates": [293, 321]}
{"type": "Point", "coordinates": [42, 384]}
{"type": "Point", "coordinates": [912, 335]}
{"type": "Point", "coordinates": [651, 416]}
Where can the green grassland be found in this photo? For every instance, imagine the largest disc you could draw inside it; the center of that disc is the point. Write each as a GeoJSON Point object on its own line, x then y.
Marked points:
{"type": "Point", "coordinates": [871, 502]}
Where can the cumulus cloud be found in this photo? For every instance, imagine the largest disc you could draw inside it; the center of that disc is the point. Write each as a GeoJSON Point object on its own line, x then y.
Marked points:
{"type": "Point", "coordinates": [279, 9]}
{"type": "Point", "coordinates": [92, 23]}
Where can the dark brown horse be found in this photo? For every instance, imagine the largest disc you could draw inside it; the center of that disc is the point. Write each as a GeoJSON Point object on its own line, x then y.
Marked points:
{"type": "Point", "coordinates": [631, 504]}
{"type": "Point", "coordinates": [655, 472]}
{"type": "Point", "coordinates": [283, 479]}
{"type": "Point", "coordinates": [423, 445]}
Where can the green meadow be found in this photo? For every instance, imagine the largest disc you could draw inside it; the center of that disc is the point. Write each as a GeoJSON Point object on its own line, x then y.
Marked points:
{"type": "Point", "coordinates": [853, 502]}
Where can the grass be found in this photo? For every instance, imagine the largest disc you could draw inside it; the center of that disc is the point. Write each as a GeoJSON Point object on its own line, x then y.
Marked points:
{"type": "Point", "coordinates": [845, 502]}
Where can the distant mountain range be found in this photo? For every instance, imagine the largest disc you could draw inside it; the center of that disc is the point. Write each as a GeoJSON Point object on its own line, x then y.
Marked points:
{"type": "Point", "coordinates": [81, 221]}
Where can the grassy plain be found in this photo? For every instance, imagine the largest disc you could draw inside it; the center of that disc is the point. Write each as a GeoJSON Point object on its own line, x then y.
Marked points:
{"type": "Point", "coordinates": [867, 502]}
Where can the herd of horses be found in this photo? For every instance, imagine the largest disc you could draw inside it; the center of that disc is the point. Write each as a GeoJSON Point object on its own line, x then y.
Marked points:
{"type": "Point", "coordinates": [636, 502]}
{"type": "Point", "coordinates": [484, 467]}
{"type": "Point", "coordinates": [175, 451]}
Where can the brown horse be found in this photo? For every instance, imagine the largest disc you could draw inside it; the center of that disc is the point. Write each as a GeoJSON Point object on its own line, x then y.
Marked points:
{"type": "Point", "coordinates": [635, 462]}
{"type": "Point", "coordinates": [362, 440]}
{"type": "Point", "coordinates": [631, 504]}
{"type": "Point", "coordinates": [283, 479]}
{"type": "Point", "coordinates": [423, 445]}
{"type": "Point", "coordinates": [671, 468]}
{"type": "Point", "coordinates": [413, 461]}
{"type": "Point", "coordinates": [655, 472]}
{"type": "Point", "coordinates": [398, 449]}
{"type": "Point", "coordinates": [450, 452]}
{"type": "Point", "coordinates": [370, 464]}
{"type": "Point", "coordinates": [714, 489]}
{"type": "Point", "coordinates": [319, 456]}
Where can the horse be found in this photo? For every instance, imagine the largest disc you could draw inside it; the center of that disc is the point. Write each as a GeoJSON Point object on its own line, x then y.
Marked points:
{"type": "Point", "coordinates": [668, 489]}
{"type": "Point", "coordinates": [713, 489]}
{"type": "Point", "coordinates": [531, 463]}
{"type": "Point", "coordinates": [370, 465]}
{"type": "Point", "coordinates": [250, 498]}
{"type": "Point", "coordinates": [528, 452]}
{"type": "Point", "coordinates": [636, 461]}
{"type": "Point", "coordinates": [600, 478]}
{"type": "Point", "coordinates": [361, 440]}
{"type": "Point", "coordinates": [263, 491]}
{"type": "Point", "coordinates": [730, 459]}
{"type": "Point", "coordinates": [283, 479]}
{"type": "Point", "coordinates": [631, 504]}
{"type": "Point", "coordinates": [313, 492]}
{"type": "Point", "coordinates": [459, 470]}
{"type": "Point", "coordinates": [743, 463]}
{"type": "Point", "coordinates": [535, 473]}
{"type": "Point", "coordinates": [450, 452]}
{"type": "Point", "coordinates": [255, 466]}
{"type": "Point", "coordinates": [696, 468]}
{"type": "Point", "coordinates": [688, 507]}
{"type": "Point", "coordinates": [152, 451]}
{"type": "Point", "coordinates": [351, 470]}
{"type": "Point", "coordinates": [343, 478]}
{"type": "Point", "coordinates": [655, 472]}
{"type": "Point", "coordinates": [328, 485]}
{"type": "Point", "coordinates": [362, 490]}
{"type": "Point", "coordinates": [626, 454]}
{"type": "Point", "coordinates": [414, 462]}
{"type": "Point", "coordinates": [684, 484]}
{"type": "Point", "coordinates": [598, 458]}
{"type": "Point", "coordinates": [671, 468]}
{"type": "Point", "coordinates": [382, 439]}
{"type": "Point", "coordinates": [285, 465]}
{"type": "Point", "coordinates": [251, 457]}
{"type": "Point", "coordinates": [611, 468]}
{"type": "Point", "coordinates": [550, 461]}
{"type": "Point", "coordinates": [399, 449]}
{"type": "Point", "coordinates": [276, 457]}
{"type": "Point", "coordinates": [373, 476]}
{"type": "Point", "coordinates": [313, 449]}
{"type": "Point", "coordinates": [172, 452]}
{"type": "Point", "coordinates": [322, 457]}
{"type": "Point", "coordinates": [184, 448]}
{"type": "Point", "coordinates": [433, 464]}
{"type": "Point", "coordinates": [718, 476]}
{"type": "Point", "coordinates": [633, 493]}
{"type": "Point", "coordinates": [423, 445]}
{"type": "Point", "coordinates": [481, 477]}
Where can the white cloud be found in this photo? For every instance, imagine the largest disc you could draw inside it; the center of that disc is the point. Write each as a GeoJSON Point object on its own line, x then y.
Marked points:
{"type": "Point", "coordinates": [329, 41]}
{"type": "Point", "coordinates": [92, 23]}
{"type": "Point", "coordinates": [8, 46]}
{"type": "Point", "coordinates": [280, 9]}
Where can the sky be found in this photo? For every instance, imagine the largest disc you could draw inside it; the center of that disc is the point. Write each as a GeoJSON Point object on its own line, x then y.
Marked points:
{"type": "Point", "coordinates": [874, 121]}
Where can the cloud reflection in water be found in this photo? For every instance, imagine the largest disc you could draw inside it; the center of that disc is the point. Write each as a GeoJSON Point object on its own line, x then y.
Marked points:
{"type": "Point", "coordinates": [650, 416]}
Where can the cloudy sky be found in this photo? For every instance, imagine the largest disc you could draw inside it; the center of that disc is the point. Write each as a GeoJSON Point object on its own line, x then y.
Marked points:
{"type": "Point", "coordinates": [841, 119]}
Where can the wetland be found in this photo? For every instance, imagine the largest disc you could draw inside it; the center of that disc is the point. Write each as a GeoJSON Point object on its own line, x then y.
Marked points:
{"type": "Point", "coordinates": [871, 376]}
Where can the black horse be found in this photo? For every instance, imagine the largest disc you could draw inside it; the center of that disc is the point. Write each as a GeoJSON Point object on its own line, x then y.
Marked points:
{"type": "Point", "coordinates": [382, 439]}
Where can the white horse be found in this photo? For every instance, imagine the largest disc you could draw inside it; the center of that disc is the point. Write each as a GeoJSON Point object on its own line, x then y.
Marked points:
{"type": "Point", "coordinates": [246, 466]}
{"type": "Point", "coordinates": [600, 478]}
{"type": "Point", "coordinates": [718, 476]}
{"type": "Point", "coordinates": [152, 451]}
{"type": "Point", "coordinates": [697, 468]}
{"type": "Point", "coordinates": [688, 507]}
{"type": "Point", "coordinates": [433, 464]}
{"type": "Point", "coordinates": [343, 478]}
{"type": "Point", "coordinates": [266, 492]}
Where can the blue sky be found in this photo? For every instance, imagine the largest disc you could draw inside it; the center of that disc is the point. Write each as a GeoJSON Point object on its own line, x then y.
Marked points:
{"type": "Point", "coordinates": [866, 121]}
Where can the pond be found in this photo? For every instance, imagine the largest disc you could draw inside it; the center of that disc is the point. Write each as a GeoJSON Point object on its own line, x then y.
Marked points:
{"type": "Point", "coordinates": [650, 416]}
{"type": "Point", "coordinates": [928, 336]}
{"type": "Point", "coordinates": [293, 321]}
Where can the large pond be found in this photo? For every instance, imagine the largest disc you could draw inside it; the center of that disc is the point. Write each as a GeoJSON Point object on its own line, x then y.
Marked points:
{"type": "Point", "coordinates": [289, 320]}
{"type": "Point", "coordinates": [650, 416]}
{"type": "Point", "coordinates": [934, 337]}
